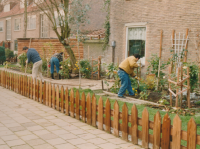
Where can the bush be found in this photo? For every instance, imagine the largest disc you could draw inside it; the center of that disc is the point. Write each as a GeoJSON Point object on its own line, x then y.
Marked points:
{"type": "Point", "coordinates": [9, 53]}
{"type": "Point", "coordinates": [44, 64]}
{"type": "Point", "coordinates": [2, 55]}
{"type": "Point", "coordinates": [22, 59]}
{"type": "Point", "coordinates": [66, 68]}
{"type": "Point", "coordinates": [85, 68]}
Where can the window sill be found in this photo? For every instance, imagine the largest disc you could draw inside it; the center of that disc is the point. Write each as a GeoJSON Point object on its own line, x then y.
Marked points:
{"type": "Point", "coordinates": [17, 30]}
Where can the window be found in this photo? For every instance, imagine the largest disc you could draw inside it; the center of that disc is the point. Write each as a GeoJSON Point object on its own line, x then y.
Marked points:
{"type": "Point", "coordinates": [59, 18]}
{"type": "Point", "coordinates": [17, 24]}
{"type": "Point", "coordinates": [6, 8]}
{"type": "Point", "coordinates": [31, 22]}
{"type": "Point", "coordinates": [1, 26]}
{"type": "Point", "coordinates": [136, 39]}
{"type": "Point", "coordinates": [8, 29]}
{"type": "Point", "coordinates": [44, 26]}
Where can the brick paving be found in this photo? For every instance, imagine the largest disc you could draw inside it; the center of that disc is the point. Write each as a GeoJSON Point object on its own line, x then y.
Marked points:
{"type": "Point", "coordinates": [26, 124]}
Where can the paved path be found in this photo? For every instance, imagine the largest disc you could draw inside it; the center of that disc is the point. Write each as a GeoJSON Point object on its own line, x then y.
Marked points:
{"type": "Point", "coordinates": [26, 124]}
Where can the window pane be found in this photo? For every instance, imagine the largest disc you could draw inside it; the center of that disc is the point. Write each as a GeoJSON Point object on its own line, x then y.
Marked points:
{"type": "Point", "coordinates": [1, 26]}
{"type": "Point", "coordinates": [137, 47]}
{"type": "Point", "coordinates": [17, 24]}
{"type": "Point", "coordinates": [8, 24]}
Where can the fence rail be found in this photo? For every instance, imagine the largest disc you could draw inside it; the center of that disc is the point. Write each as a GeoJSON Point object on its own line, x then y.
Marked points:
{"type": "Point", "coordinates": [165, 135]}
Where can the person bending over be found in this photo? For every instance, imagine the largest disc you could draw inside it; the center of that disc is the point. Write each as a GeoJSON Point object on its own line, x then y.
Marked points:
{"type": "Point", "coordinates": [126, 68]}
{"type": "Point", "coordinates": [34, 57]}
{"type": "Point", "coordinates": [55, 60]}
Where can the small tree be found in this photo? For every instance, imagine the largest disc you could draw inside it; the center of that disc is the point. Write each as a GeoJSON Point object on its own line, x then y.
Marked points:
{"type": "Point", "coordinates": [58, 14]}
{"type": "Point", "coordinates": [78, 16]}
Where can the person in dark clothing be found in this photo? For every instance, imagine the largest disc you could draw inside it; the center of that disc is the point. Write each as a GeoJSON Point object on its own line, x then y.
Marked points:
{"type": "Point", "coordinates": [55, 60]}
{"type": "Point", "coordinates": [34, 57]}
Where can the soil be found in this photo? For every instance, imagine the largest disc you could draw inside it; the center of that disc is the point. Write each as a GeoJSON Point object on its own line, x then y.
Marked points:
{"type": "Point", "coordinates": [156, 96]}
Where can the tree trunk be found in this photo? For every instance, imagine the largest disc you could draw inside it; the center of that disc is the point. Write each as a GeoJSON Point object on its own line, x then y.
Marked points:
{"type": "Point", "coordinates": [70, 53]}
{"type": "Point", "coordinates": [25, 18]}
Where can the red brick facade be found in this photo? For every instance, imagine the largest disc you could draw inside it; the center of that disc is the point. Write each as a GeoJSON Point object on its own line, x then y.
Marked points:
{"type": "Point", "coordinates": [159, 15]}
{"type": "Point", "coordinates": [43, 49]}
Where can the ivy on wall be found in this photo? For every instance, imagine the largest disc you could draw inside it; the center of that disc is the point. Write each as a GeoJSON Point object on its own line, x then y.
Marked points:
{"type": "Point", "coordinates": [107, 24]}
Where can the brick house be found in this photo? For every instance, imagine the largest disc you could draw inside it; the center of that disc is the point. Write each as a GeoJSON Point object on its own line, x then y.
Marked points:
{"type": "Point", "coordinates": [38, 25]}
{"type": "Point", "coordinates": [136, 25]}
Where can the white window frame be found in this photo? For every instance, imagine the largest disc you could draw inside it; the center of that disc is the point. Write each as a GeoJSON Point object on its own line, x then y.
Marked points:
{"type": "Point", "coordinates": [8, 19]}
{"type": "Point", "coordinates": [41, 30]}
{"type": "Point", "coordinates": [1, 25]}
{"type": "Point", "coordinates": [19, 24]}
{"type": "Point", "coordinates": [28, 22]}
{"type": "Point", "coordinates": [134, 25]}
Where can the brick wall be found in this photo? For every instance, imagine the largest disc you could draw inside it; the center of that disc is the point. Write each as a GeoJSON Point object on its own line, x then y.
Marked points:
{"type": "Point", "coordinates": [163, 15]}
{"type": "Point", "coordinates": [40, 44]}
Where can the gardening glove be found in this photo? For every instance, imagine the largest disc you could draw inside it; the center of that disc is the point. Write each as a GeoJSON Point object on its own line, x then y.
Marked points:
{"type": "Point", "coordinates": [137, 78]}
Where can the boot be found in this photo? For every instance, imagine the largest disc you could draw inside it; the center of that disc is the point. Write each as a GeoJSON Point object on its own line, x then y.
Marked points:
{"type": "Point", "coordinates": [59, 76]}
{"type": "Point", "coordinates": [52, 76]}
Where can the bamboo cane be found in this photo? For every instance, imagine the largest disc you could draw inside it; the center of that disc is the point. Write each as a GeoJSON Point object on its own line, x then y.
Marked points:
{"type": "Point", "coordinates": [161, 34]}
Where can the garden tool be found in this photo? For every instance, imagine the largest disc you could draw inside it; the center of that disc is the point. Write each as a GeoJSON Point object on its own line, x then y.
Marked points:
{"type": "Point", "coordinates": [26, 66]}
{"type": "Point", "coordinates": [138, 81]}
{"type": "Point", "coordinates": [161, 34]}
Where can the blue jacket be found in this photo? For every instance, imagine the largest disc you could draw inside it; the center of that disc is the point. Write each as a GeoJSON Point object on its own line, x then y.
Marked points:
{"type": "Point", "coordinates": [33, 56]}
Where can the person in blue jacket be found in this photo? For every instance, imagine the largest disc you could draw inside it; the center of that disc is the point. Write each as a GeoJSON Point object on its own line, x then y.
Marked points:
{"type": "Point", "coordinates": [34, 57]}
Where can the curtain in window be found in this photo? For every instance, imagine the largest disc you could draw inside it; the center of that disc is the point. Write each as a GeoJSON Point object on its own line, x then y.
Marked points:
{"type": "Point", "coordinates": [137, 33]}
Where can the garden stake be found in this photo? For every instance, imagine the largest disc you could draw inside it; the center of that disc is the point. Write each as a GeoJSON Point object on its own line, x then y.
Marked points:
{"type": "Point", "coordinates": [138, 82]}
{"type": "Point", "coordinates": [161, 34]}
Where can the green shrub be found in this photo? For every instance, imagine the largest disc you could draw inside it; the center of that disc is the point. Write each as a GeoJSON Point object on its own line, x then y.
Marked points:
{"type": "Point", "coordinates": [44, 64]}
{"type": "Point", "coordinates": [66, 68]}
{"type": "Point", "coordinates": [85, 68]}
{"type": "Point", "coordinates": [9, 53]}
{"type": "Point", "coordinates": [22, 59]}
{"type": "Point", "coordinates": [2, 55]}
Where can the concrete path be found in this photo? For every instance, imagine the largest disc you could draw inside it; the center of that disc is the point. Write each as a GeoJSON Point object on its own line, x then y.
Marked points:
{"type": "Point", "coordinates": [26, 124]}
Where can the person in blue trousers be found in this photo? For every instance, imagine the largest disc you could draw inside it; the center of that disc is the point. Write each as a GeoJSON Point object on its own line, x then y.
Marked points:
{"type": "Point", "coordinates": [55, 60]}
{"type": "Point", "coordinates": [126, 68]}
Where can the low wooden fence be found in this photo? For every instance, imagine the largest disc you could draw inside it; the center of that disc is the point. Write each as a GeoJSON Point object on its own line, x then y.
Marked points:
{"type": "Point", "coordinates": [164, 135]}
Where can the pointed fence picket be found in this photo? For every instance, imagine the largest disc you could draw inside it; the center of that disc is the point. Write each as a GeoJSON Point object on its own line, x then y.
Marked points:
{"type": "Point", "coordinates": [67, 102]}
{"type": "Point", "coordinates": [164, 135]}
{"type": "Point", "coordinates": [94, 110]}
{"type": "Point", "coordinates": [83, 102]}
{"type": "Point", "coordinates": [53, 97]}
{"type": "Point", "coordinates": [89, 110]}
{"type": "Point", "coordinates": [62, 99]}
{"type": "Point", "coordinates": [116, 119]}
{"type": "Point", "coordinates": [77, 105]}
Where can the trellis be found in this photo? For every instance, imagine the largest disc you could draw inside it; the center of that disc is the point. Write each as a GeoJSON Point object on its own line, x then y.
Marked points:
{"type": "Point", "coordinates": [179, 86]}
{"type": "Point", "coordinates": [178, 44]}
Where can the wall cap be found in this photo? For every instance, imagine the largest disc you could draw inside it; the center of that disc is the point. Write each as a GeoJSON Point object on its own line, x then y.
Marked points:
{"type": "Point", "coordinates": [138, 24]}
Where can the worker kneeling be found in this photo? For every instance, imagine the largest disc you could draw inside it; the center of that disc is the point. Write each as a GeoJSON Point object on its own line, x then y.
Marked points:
{"type": "Point", "coordinates": [55, 60]}
{"type": "Point", "coordinates": [126, 68]}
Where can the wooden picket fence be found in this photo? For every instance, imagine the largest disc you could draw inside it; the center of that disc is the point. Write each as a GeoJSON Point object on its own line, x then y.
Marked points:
{"type": "Point", "coordinates": [164, 135]}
